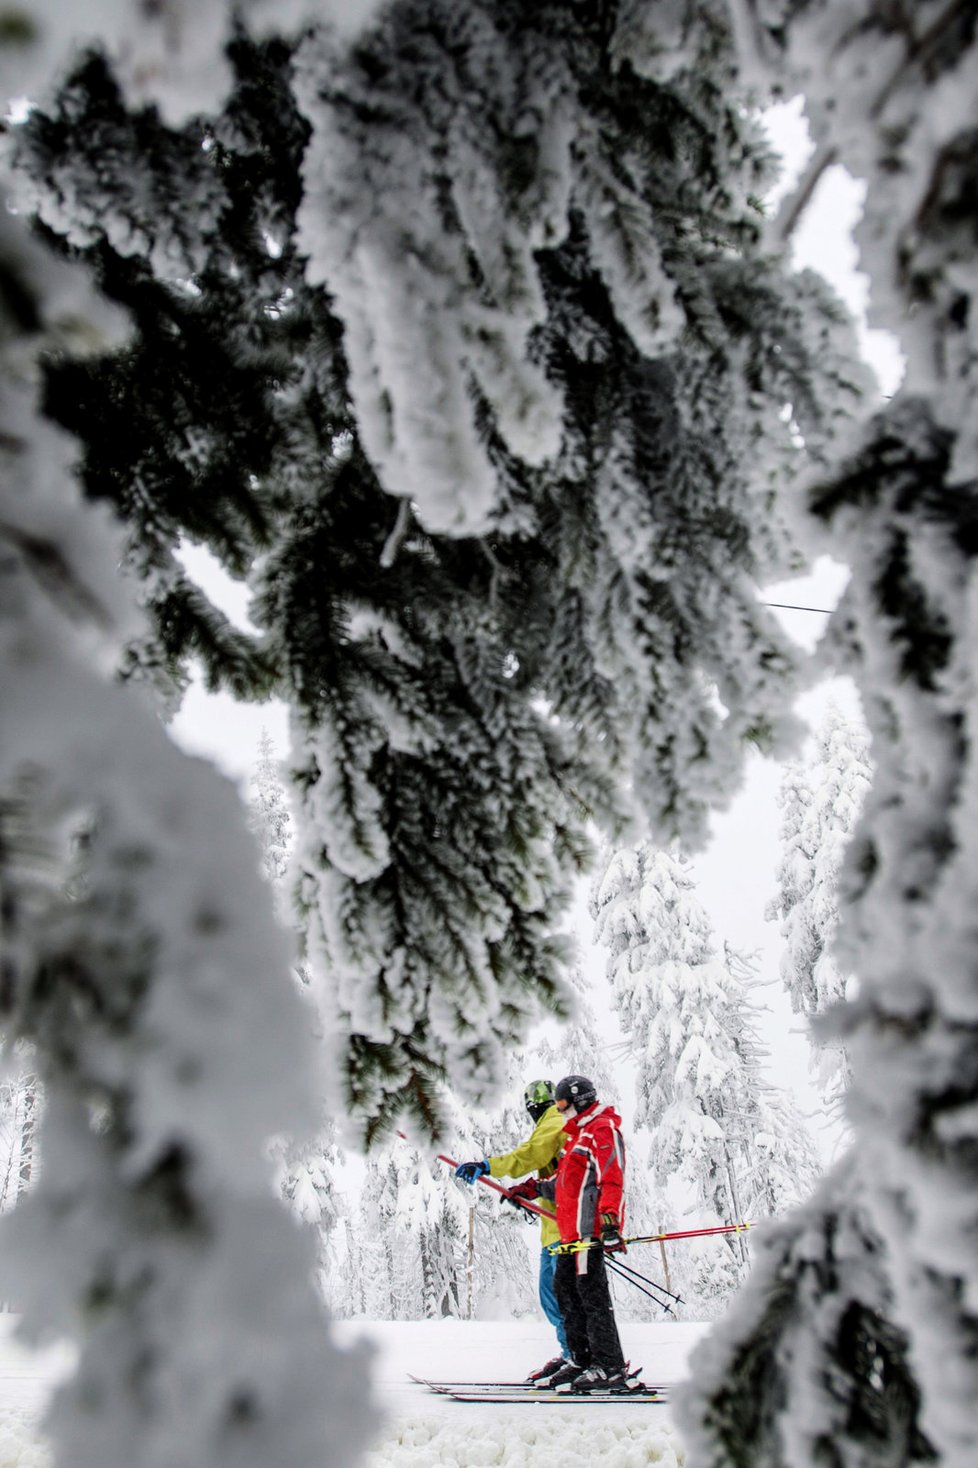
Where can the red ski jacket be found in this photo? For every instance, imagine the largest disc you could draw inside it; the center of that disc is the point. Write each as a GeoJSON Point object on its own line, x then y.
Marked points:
{"type": "Point", "coordinates": [590, 1177]}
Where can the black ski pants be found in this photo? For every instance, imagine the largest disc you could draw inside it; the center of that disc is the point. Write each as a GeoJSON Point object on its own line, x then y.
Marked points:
{"type": "Point", "coordinates": [581, 1284]}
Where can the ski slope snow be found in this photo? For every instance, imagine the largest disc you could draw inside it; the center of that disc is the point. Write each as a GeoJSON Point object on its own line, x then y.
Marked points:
{"type": "Point", "coordinates": [414, 1427]}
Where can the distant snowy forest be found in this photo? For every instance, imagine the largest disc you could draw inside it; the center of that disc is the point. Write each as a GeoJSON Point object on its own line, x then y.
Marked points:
{"type": "Point", "coordinates": [466, 336]}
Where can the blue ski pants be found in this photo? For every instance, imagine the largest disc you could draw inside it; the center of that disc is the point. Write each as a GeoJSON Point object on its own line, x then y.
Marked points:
{"type": "Point", "coordinates": [548, 1298]}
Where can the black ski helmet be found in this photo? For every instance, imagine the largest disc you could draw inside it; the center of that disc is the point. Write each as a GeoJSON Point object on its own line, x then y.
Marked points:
{"type": "Point", "coordinates": [538, 1097]}
{"type": "Point", "coordinates": [578, 1090]}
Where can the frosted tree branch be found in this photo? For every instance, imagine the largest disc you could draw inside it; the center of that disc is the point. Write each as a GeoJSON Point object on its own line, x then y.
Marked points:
{"type": "Point", "coordinates": [798, 201]}
{"type": "Point", "coordinates": [918, 51]}
{"type": "Point", "coordinates": [396, 538]}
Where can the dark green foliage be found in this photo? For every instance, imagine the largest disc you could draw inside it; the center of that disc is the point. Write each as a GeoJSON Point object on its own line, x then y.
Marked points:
{"type": "Point", "coordinates": [183, 430]}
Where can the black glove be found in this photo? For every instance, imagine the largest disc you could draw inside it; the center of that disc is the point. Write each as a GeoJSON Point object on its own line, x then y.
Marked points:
{"type": "Point", "coordinates": [611, 1239]}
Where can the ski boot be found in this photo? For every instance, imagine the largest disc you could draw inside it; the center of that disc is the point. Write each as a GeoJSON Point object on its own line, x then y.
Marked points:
{"type": "Point", "coordinates": [569, 1372]}
{"type": "Point", "coordinates": [596, 1379]}
{"type": "Point", "coordinates": [541, 1377]}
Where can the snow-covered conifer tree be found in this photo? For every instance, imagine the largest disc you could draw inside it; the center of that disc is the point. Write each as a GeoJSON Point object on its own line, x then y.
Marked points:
{"type": "Point", "coordinates": [713, 1122]}
{"type": "Point", "coordinates": [821, 801]}
{"type": "Point", "coordinates": [411, 1233]}
{"type": "Point", "coordinates": [385, 1265]}
{"type": "Point", "coordinates": [269, 811]}
{"type": "Point", "coordinates": [20, 1102]}
{"type": "Point", "coordinates": [582, 1046]}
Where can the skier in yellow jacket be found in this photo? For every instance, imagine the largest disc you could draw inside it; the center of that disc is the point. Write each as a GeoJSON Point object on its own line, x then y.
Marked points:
{"type": "Point", "coordinates": [538, 1153]}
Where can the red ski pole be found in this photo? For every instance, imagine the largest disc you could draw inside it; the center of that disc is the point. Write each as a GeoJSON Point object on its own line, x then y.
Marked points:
{"type": "Point", "coordinates": [684, 1233]}
{"type": "Point", "coordinates": [693, 1233]}
{"type": "Point", "coordinates": [490, 1182]}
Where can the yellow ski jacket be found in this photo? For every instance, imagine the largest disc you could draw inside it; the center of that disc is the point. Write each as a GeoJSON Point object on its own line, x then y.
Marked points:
{"type": "Point", "coordinates": [538, 1153]}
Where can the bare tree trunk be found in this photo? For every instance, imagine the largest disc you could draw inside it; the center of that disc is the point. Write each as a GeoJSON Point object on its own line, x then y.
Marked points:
{"type": "Point", "coordinates": [28, 1128]}
{"type": "Point", "coordinates": [470, 1263]}
{"type": "Point", "coordinates": [9, 1097]}
{"type": "Point", "coordinates": [665, 1260]}
{"type": "Point", "coordinates": [739, 1240]}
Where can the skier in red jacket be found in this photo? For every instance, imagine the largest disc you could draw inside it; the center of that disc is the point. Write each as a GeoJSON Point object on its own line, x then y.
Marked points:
{"type": "Point", "coordinates": [588, 1190]}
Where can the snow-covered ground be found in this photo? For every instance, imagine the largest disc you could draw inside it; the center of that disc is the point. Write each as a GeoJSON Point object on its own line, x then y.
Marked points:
{"type": "Point", "coordinates": [419, 1429]}
{"type": "Point", "coordinates": [26, 1379]}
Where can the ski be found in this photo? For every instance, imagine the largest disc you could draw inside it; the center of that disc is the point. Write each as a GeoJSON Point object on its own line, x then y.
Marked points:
{"type": "Point", "coordinates": [473, 1387]}
{"type": "Point", "coordinates": [444, 1386]}
{"type": "Point", "coordinates": [509, 1388]}
{"type": "Point", "coordinates": [536, 1398]}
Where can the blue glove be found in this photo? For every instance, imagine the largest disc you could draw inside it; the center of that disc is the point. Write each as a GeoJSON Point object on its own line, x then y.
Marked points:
{"type": "Point", "coordinates": [469, 1172]}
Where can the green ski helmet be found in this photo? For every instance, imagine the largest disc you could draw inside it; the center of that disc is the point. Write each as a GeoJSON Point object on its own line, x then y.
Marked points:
{"type": "Point", "coordinates": [538, 1096]}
